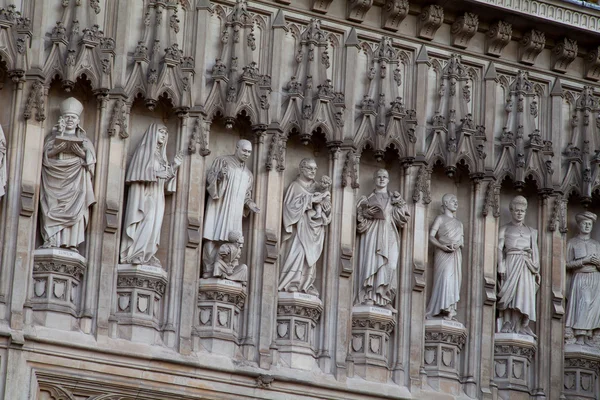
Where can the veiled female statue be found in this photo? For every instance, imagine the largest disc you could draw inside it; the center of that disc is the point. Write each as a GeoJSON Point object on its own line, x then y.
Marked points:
{"type": "Point", "coordinates": [446, 235]}
{"type": "Point", "coordinates": [378, 218]}
{"type": "Point", "coordinates": [66, 191]}
{"type": "Point", "coordinates": [583, 259]}
{"type": "Point", "coordinates": [149, 175]}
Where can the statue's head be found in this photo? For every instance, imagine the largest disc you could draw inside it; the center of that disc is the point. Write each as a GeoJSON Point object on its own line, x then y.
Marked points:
{"type": "Point", "coordinates": [585, 221]}
{"type": "Point", "coordinates": [308, 168]}
{"type": "Point", "coordinates": [70, 111]}
{"type": "Point", "coordinates": [449, 202]}
{"type": "Point", "coordinates": [518, 208]}
{"type": "Point", "coordinates": [162, 135]}
{"type": "Point", "coordinates": [235, 237]}
{"type": "Point", "coordinates": [243, 150]}
{"type": "Point", "coordinates": [381, 177]}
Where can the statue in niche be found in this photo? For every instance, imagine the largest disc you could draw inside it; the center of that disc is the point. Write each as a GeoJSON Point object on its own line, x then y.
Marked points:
{"type": "Point", "coordinates": [2, 162]}
{"type": "Point", "coordinates": [306, 213]}
{"type": "Point", "coordinates": [149, 175]}
{"type": "Point", "coordinates": [583, 259]}
{"type": "Point", "coordinates": [379, 217]}
{"type": "Point", "coordinates": [66, 191]}
{"type": "Point", "coordinates": [226, 263]}
{"type": "Point", "coordinates": [229, 187]}
{"type": "Point", "coordinates": [519, 270]}
{"type": "Point", "coordinates": [447, 236]}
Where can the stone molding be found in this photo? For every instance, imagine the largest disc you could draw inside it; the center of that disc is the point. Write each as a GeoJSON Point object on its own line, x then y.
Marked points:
{"type": "Point", "coordinates": [357, 9]}
{"type": "Point", "coordinates": [463, 29]}
{"type": "Point", "coordinates": [141, 276]}
{"type": "Point", "coordinates": [563, 54]}
{"type": "Point", "coordinates": [530, 46]}
{"type": "Point", "coordinates": [430, 20]}
{"type": "Point", "coordinates": [497, 37]}
{"type": "Point", "coordinates": [393, 13]}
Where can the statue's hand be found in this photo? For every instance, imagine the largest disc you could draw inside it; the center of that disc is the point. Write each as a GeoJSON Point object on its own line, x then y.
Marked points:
{"type": "Point", "coordinates": [222, 173]}
{"type": "Point", "coordinates": [449, 248]}
{"type": "Point", "coordinates": [79, 152]}
{"type": "Point", "coordinates": [178, 160]}
{"type": "Point", "coordinates": [59, 148]}
{"type": "Point", "coordinates": [253, 207]}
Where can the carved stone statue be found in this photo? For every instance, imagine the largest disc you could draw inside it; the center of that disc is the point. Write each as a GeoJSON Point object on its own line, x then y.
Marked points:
{"type": "Point", "coordinates": [148, 176]}
{"type": "Point", "coordinates": [447, 236]}
{"type": "Point", "coordinates": [519, 270]}
{"type": "Point", "coordinates": [66, 191]}
{"type": "Point", "coordinates": [229, 187]}
{"type": "Point", "coordinates": [226, 263]}
{"type": "Point", "coordinates": [306, 213]}
{"type": "Point", "coordinates": [583, 259]}
{"type": "Point", "coordinates": [378, 218]}
{"type": "Point", "coordinates": [2, 162]}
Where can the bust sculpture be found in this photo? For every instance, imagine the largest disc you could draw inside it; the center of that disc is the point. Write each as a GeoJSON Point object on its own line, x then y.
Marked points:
{"type": "Point", "coordinates": [519, 271]}
{"type": "Point", "coordinates": [148, 176]}
{"type": "Point", "coordinates": [379, 217]}
{"type": "Point", "coordinates": [66, 191]}
{"type": "Point", "coordinates": [583, 260]}
{"type": "Point", "coordinates": [226, 262]}
{"type": "Point", "coordinates": [306, 213]}
{"type": "Point", "coordinates": [447, 237]}
{"type": "Point", "coordinates": [229, 187]}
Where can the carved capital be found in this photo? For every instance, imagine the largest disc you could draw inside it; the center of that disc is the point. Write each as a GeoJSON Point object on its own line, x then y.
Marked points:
{"type": "Point", "coordinates": [393, 13]}
{"type": "Point", "coordinates": [592, 65]}
{"type": "Point", "coordinates": [531, 46]}
{"type": "Point", "coordinates": [156, 284]}
{"type": "Point", "coordinates": [563, 54]}
{"type": "Point", "coordinates": [357, 9]}
{"type": "Point", "coordinates": [430, 20]}
{"type": "Point", "coordinates": [497, 38]}
{"type": "Point", "coordinates": [463, 29]}
{"type": "Point", "coordinates": [305, 311]}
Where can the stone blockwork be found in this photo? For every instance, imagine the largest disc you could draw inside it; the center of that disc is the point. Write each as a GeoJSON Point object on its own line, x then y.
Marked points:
{"type": "Point", "coordinates": [481, 99]}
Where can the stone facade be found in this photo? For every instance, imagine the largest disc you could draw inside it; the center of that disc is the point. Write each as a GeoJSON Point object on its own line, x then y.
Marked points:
{"type": "Point", "coordinates": [482, 99]}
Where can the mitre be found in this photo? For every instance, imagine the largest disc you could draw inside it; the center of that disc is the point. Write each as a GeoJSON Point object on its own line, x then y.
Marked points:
{"type": "Point", "coordinates": [71, 106]}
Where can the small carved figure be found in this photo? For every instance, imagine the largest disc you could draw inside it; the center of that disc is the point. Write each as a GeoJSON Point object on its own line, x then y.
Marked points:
{"type": "Point", "coordinates": [306, 213]}
{"type": "Point", "coordinates": [378, 218]}
{"type": "Point", "coordinates": [583, 260]}
{"type": "Point", "coordinates": [519, 270]}
{"type": "Point", "coordinates": [66, 191]}
{"type": "Point", "coordinates": [148, 176]}
{"type": "Point", "coordinates": [447, 236]}
{"type": "Point", "coordinates": [226, 262]}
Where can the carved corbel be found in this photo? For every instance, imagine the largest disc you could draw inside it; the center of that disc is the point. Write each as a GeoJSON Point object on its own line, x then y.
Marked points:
{"type": "Point", "coordinates": [430, 20]}
{"type": "Point", "coordinates": [271, 246]}
{"type": "Point", "coordinates": [290, 1]}
{"type": "Point", "coordinates": [531, 46]}
{"type": "Point", "coordinates": [193, 232]}
{"type": "Point", "coordinates": [37, 100]}
{"type": "Point", "coordinates": [393, 13]}
{"type": "Point", "coordinates": [27, 199]}
{"type": "Point", "coordinates": [357, 9]}
{"type": "Point", "coordinates": [419, 281]}
{"type": "Point", "coordinates": [350, 170]}
{"type": "Point", "coordinates": [199, 137]}
{"type": "Point", "coordinates": [592, 65]}
{"type": "Point", "coordinates": [346, 261]}
{"type": "Point", "coordinates": [320, 6]}
{"type": "Point", "coordinates": [422, 189]}
{"type": "Point", "coordinates": [111, 215]}
{"type": "Point", "coordinates": [558, 308]}
{"type": "Point", "coordinates": [497, 38]}
{"type": "Point", "coordinates": [463, 29]}
{"type": "Point", "coordinates": [489, 291]}
{"type": "Point", "coordinates": [563, 54]}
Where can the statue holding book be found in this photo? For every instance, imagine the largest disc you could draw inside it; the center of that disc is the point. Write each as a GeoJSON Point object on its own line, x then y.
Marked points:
{"type": "Point", "coordinates": [379, 217]}
{"type": "Point", "coordinates": [66, 192]}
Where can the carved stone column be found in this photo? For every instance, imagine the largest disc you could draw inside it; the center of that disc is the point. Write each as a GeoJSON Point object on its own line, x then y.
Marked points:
{"type": "Point", "coordinates": [220, 303]}
{"type": "Point", "coordinates": [57, 284]}
{"type": "Point", "coordinates": [140, 289]}
{"type": "Point", "coordinates": [297, 317]}
{"type": "Point", "coordinates": [444, 341]}
{"type": "Point", "coordinates": [371, 329]}
{"type": "Point", "coordinates": [513, 355]}
{"type": "Point", "coordinates": [581, 372]}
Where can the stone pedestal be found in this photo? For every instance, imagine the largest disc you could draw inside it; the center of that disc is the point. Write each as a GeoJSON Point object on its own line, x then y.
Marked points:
{"type": "Point", "coordinates": [140, 289]}
{"type": "Point", "coordinates": [581, 369]}
{"type": "Point", "coordinates": [297, 318]}
{"type": "Point", "coordinates": [444, 341]}
{"type": "Point", "coordinates": [57, 284]}
{"type": "Point", "coordinates": [513, 355]}
{"type": "Point", "coordinates": [371, 329]}
{"type": "Point", "coordinates": [220, 303]}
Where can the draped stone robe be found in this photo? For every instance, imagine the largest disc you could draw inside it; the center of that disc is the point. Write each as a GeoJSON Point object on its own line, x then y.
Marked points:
{"type": "Point", "coordinates": [447, 271]}
{"type": "Point", "coordinates": [66, 193]}
{"type": "Point", "coordinates": [521, 263]}
{"type": "Point", "coordinates": [583, 309]}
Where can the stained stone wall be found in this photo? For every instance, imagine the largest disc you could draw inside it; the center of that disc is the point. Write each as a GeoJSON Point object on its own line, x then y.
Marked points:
{"type": "Point", "coordinates": [483, 99]}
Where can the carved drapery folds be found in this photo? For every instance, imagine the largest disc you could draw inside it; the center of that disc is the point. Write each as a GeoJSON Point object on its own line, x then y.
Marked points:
{"type": "Point", "coordinates": [456, 138]}
{"type": "Point", "coordinates": [394, 12]}
{"type": "Point", "coordinates": [563, 54]}
{"type": "Point", "coordinates": [497, 38]}
{"type": "Point", "coordinates": [525, 151]}
{"type": "Point", "coordinates": [430, 20]}
{"type": "Point", "coordinates": [311, 102]}
{"type": "Point", "coordinates": [583, 171]}
{"type": "Point", "coordinates": [160, 67]}
{"type": "Point", "coordinates": [463, 29]}
{"type": "Point", "coordinates": [383, 120]}
{"type": "Point", "coordinates": [531, 46]}
{"type": "Point", "coordinates": [238, 85]}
